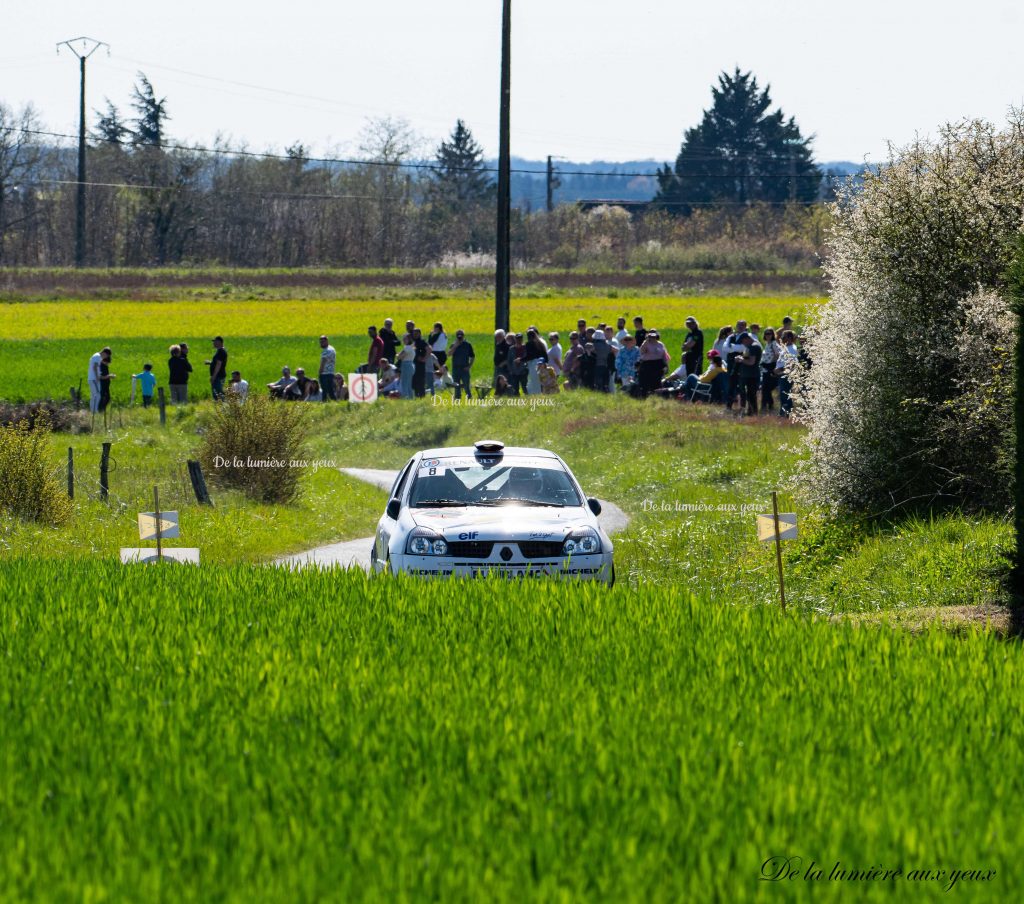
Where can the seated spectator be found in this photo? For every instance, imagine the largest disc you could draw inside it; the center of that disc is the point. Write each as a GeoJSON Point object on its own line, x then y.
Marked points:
{"type": "Point", "coordinates": [442, 379]}
{"type": "Point", "coordinates": [387, 372]}
{"type": "Point", "coordinates": [548, 379]}
{"type": "Point", "coordinates": [503, 388]}
{"type": "Point", "coordinates": [340, 389]}
{"type": "Point", "coordinates": [282, 387]}
{"type": "Point", "coordinates": [313, 392]}
{"type": "Point", "coordinates": [716, 368]}
{"type": "Point", "coordinates": [238, 386]}
{"type": "Point", "coordinates": [389, 379]}
{"type": "Point", "coordinates": [297, 391]}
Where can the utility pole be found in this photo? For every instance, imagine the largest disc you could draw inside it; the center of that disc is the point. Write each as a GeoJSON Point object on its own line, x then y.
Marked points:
{"type": "Point", "coordinates": [553, 182]}
{"type": "Point", "coordinates": [502, 280]}
{"type": "Point", "coordinates": [83, 48]}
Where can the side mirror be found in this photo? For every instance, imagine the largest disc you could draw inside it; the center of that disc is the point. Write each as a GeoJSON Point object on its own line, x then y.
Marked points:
{"type": "Point", "coordinates": [394, 509]}
{"type": "Point", "coordinates": [595, 506]}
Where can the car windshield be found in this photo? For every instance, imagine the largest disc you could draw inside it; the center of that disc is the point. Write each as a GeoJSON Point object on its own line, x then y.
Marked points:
{"type": "Point", "coordinates": [450, 482]}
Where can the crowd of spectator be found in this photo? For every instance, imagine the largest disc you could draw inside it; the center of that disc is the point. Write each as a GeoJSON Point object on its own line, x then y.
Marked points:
{"type": "Point", "coordinates": [744, 367]}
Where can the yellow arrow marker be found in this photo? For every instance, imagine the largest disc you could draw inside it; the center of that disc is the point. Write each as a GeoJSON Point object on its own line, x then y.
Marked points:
{"type": "Point", "coordinates": [766, 527]}
{"type": "Point", "coordinates": [168, 525]}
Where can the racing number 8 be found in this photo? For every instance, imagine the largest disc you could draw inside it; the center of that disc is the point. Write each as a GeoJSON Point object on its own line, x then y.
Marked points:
{"type": "Point", "coordinates": [432, 472]}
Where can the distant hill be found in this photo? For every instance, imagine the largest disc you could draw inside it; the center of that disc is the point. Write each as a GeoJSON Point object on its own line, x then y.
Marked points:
{"type": "Point", "coordinates": [632, 180]}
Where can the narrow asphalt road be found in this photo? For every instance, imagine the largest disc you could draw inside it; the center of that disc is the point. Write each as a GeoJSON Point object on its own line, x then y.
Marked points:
{"type": "Point", "coordinates": [356, 553]}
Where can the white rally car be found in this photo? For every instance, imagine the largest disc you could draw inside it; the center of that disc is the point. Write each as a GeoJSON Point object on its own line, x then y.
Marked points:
{"type": "Point", "coordinates": [491, 510]}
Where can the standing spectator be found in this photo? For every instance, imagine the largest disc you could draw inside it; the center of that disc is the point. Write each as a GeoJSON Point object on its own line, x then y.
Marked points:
{"type": "Point", "coordinates": [722, 341]}
{"type": "Point", "coordinates": [581, 328]}
{"type": "Point", "coordinates": [500, 357]}
{"type": "Point", "coordinates": [586, 365]}
{"type": "Point", "coordinates": [733, 350]}
{"type": "Point", "coordinates": [534, 356]}
{"type": "Point", "coordinates": [218, 368]}
{"type": "Point", "coordinates": [639, 332]}
{"type": "Point", "coordinates": [516, 362]}
{"type": "Point", "coordinates": [755, 330]}
{"type": "Point", "coordinates": [95, 384]}
{"type": "Point", "coordinates": [328, 362]}
{"type": "Point", "coordinates": [390, 339]}
{"type": "Point", "coordinates": [555, 353]}
{"type": "Point", "coordinates": [375, 353]}
{"type": "Point", "coordinates": [462, 361]}
{"type": "Point", "coordinates": [571, 361]}
{"type": "Point", "coordinates": [238, 386]}
{"type": "Point", "coordinates": [407, 366]}
{"type": "Point", "coordinates": [787, 324]}
{"type": "Point", "coordinates": [604, 359]}
{"type": "Point", "coordinates": [438, 341]}
{"type": "Point", "coordinates": [769, 361]}
{"type": "Point", "coordinates": [750, 370]}
{"type": "Point", "coordinates": [147, 383]}
{"type": "Point", "coordinates": [179, 367]}
{"type": "Point", "coordinates": [693, 346]}
{"type": "Point", "coordinates": [613, 344]}
{"type": "Point", "coordinates": [626, 361]}
{"type": "Point", "coordinates": [423, 353]}
{"type": "Point", "coordinates": [652, 362]}
{"type": "Point", "coordinates": [105, 377]}
{"type": "Point", "coordinates": [784, 369]}
{"type": "Point", "coordinates": [622, 331]}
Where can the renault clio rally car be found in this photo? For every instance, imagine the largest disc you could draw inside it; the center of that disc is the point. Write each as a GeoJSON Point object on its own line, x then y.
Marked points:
{"type": "Point", "coordinates": [489, 509]}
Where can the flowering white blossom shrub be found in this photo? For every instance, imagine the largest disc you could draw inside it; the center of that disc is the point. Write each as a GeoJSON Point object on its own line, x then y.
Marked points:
{"type": "Point", "coordinates": [909, 398]}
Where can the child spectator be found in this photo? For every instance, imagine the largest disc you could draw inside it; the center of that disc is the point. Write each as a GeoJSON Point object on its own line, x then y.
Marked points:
{"type": "Point", "coordinates": [147, 383]}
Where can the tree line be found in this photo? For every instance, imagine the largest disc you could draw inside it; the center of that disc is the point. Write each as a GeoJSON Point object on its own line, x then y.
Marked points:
{"type": "Point", "coordinates": [738, 196]}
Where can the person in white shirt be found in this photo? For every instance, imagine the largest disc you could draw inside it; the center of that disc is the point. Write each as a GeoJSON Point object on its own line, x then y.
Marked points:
{"type": "Point", "coordinates": [442, 379]}
{"type": "Point", "coordinates": [438, 342]}
{"type": "Point", "coordinates": [238, 386]}
{"type": "Point", "coordinates": [325, 376]}
{"type": "Point", "coordinates": [622, 331]}
{"type": "Point", "coordinates": [95, 384]}
{"type": "Point", "coordinates": [555, 353]}
{"type": "Point", "coordinates": [723, 340]}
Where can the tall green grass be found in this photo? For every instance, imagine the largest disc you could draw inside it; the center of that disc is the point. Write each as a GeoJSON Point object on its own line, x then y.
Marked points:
{"type": "Point", "coordinates": [246, 733]}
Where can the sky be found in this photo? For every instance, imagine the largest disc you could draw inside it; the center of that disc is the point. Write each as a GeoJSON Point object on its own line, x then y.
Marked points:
{"type": "Point", "coordinates": [591, 79]}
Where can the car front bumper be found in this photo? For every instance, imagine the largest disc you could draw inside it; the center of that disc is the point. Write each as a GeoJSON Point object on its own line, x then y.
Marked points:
{"type": "Point", "coordinates": [596, 567]}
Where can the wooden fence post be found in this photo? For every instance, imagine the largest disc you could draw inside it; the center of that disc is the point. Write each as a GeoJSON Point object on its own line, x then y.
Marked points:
{"type": "Point", "coordinates": [71, 473]}
{"type": "Point", "coordinates": [195, 473]}
{"type": "Point", "coordinates": [104, 471]}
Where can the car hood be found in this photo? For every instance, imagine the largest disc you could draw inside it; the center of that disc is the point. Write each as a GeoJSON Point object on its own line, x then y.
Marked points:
{"type": "Point", "coordinates": [506, 522]}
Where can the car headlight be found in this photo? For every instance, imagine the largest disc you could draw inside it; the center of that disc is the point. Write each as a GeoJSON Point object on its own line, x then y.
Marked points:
{"type": "Point", "coordinates": [582, 543]}
{"type": "Point", "coordinates": [424, 542]}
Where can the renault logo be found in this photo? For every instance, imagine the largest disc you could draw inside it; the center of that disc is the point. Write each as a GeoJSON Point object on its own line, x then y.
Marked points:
{"type": "Point", "coordinates": [505, 553]}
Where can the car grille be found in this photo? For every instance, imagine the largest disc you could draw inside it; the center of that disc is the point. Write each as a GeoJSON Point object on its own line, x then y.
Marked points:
{"type": "Point", "coordinates": [470, 549]}
{"type": "Point", "coordinates": [540, 549]}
